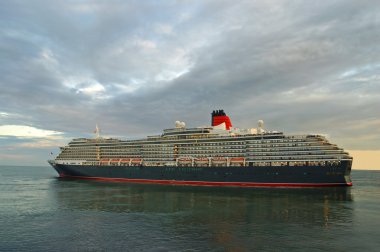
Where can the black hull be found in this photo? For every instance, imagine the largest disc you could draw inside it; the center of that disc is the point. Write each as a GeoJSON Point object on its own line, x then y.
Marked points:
{"type": "Point", "coordinates": [337, 175]}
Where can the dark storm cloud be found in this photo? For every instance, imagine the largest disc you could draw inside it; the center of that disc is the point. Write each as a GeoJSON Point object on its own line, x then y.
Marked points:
{"type": "Point", "coordinates": [137, 67]}
{"type": "Point", "coordinates": [244, 71]}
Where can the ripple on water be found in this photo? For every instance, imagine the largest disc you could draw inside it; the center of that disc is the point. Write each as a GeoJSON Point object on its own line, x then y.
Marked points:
{"type": "Point", "coordinates": [41, 213]}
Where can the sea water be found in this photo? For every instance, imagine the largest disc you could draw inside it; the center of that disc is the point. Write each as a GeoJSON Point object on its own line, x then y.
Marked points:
{"type": "Point", "coordinates": [39, 212]}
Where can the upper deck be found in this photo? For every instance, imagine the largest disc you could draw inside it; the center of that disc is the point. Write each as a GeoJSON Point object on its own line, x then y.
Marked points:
{"type": "Point", "coordinates": [181, 143]}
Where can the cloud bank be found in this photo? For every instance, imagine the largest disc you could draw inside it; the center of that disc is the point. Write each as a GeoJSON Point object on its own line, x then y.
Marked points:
{"type": "Point", "coordinates": [136, 67]}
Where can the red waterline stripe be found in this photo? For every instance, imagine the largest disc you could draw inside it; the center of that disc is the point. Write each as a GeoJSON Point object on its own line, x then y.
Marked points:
{"type": "Point", "coordinates": [208, 183]}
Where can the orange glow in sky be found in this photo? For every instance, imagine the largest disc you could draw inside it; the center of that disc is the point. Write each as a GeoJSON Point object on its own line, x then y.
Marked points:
{"type": "Point", "coordinates": [365, 159]}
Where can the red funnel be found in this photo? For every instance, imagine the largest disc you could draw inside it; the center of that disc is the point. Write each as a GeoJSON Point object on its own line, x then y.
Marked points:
{"type": "Point", "coordinates": [218, 117]}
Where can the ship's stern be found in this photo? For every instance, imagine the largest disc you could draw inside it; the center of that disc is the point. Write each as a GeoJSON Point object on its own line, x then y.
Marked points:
{"type": "Point", "coordinates": [347, 172]}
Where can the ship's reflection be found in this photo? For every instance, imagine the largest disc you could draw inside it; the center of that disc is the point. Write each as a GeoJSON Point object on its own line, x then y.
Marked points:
{"type": "Point", "coordinates": [223, 212]}
{"type": "Point", "coordinates": [243, 203]}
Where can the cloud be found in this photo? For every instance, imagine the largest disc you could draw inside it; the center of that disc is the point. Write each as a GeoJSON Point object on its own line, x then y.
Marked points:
{"type": "Point", "coordinates": [146, 45]}
{"type": "Point", "coordinates": [4, 114]}
{"type": "Point", "coordinates": [26, 131]}
{"type": "Point", "coordinates": [136, 67]}
{"type": "Point", "coordinates": [41, 144]}
{"type": "Point", "coordinates": [164, 29]}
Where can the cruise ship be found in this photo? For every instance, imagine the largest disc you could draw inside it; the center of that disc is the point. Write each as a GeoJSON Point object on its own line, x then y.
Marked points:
{"type": "Point", "coordinates": [215, 155]}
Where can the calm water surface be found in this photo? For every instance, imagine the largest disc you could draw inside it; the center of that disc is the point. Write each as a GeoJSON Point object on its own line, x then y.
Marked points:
{"type": "Point", "coordinates": [39, 212]}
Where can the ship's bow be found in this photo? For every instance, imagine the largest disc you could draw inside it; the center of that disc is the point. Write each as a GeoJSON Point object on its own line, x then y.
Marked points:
{"type": "Point", "coordinates": [56, 167]}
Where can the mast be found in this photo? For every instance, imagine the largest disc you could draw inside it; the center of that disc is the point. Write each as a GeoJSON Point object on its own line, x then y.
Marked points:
{"type": "Point", "coordinates": [97, 137]}
{"type": "Point", "coordinates": [97, 132]}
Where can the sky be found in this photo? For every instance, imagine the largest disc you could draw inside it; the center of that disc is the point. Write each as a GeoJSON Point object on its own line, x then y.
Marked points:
{"type": "Point", "coordinates": [136, 67]}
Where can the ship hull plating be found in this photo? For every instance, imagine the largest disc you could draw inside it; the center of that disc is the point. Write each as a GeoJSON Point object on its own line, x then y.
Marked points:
{"type": "Point", "coordinates": [241, 176]}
